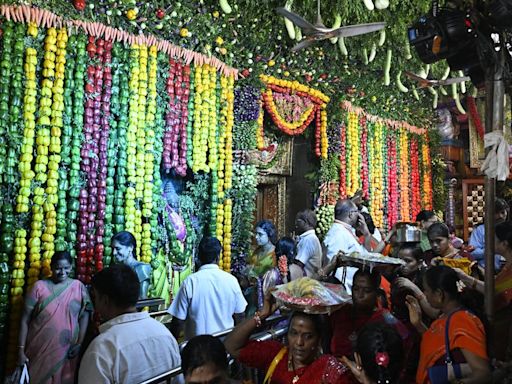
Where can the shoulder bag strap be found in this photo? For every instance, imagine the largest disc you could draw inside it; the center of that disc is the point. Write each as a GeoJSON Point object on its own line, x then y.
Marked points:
{"type": "Point", "coordinates": [273, 365]}
{"type": "Point", "coordinates": [448, 359]}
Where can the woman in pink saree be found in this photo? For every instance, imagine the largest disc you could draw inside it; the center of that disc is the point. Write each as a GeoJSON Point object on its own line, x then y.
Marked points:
{"type": "Point", "coordinates": [53, 325]}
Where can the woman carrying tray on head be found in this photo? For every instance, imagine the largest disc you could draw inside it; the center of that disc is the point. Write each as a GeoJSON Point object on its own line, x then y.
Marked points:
{"type": "Point", "coordinates": [299, 362]}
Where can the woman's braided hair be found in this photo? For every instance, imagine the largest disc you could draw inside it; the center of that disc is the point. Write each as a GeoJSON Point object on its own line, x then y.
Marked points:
{"type": "Point", "coordinates": [382, 353]}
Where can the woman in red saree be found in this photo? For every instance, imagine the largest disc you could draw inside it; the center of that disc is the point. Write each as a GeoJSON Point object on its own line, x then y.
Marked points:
{"type": "Point", "coordinates": [300, 362]}
{"type": "Point", "coordinates": [53, 324]}
{"type": "Point", "coordinates": [347, 321]}
{"type": "Point", "coordinates": [466, 332]}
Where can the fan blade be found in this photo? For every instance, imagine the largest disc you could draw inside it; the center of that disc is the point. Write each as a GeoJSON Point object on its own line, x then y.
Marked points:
{"type": "Point", "coordinates": [454, 80]}
{"type": "Point", "coordinates": [299, 21]}
{"type": "Point", "coordinates": [414, 76]}
{"type": "Point", "coordinates": [303, 44]}
{"type": "Point", "coordinates": [359, 29]}
{"type": "Point", "coordinates": [422, 83]}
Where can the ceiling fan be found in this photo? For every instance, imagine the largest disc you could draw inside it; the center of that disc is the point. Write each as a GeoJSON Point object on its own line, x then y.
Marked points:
{"type": "Point", "coordinates": [318, 31]}
{"type": "Point", "coordinates": [424, 82]}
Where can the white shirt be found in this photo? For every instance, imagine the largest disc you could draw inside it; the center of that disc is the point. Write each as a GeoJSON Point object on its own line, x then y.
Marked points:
{"type": "Point", "coordinates": [130, 348]}
{"type": "Point", "coordinates": [342, 237]}
{"type": "Point", "coordinates": [309, 252]}
{"type": "Point", "coordinates": [207, 300]}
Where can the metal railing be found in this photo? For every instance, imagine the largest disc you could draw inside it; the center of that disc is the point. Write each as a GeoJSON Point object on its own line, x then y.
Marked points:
{"type": "Point", "coordinates": [269, 334]}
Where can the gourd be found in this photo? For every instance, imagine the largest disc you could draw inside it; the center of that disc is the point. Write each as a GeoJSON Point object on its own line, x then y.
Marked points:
{"type": "Point", "coordinates": [455, 96]}
{"type": "Point", "coordinates": [336, 25]}
{"type": "Point", "coordinates": [415, 94]}
{"type": "Point", "coordinates": [224, 5]}
{"type": "Point", "coordinates": [463, 84]}
{"type": "Point", "coordinates": [381, 4]}
{"type": "Point", "coordinates": [446, 73]}
{"type": "Point", "coordinates": [290, 28]}
{"type": "Point", "coordinates": [408, 55]}
{"type": "Point", "coordinates": [387, 68]}
{"type": "Point", "coordinates": [369, 4]}
{"type": "Point", "coordinates": [342, 46]}
{"type": "Point", "coordinates": [373, 52]}
{"type": "Point", "coordinates": [401, 87]}
{"type": "Point", "coordinates": [382, 37]}
{"type": "Point", "coordinates": [298, 34]}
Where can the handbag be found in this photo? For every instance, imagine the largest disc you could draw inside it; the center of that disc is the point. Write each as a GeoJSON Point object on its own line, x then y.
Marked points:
{"type": "Point", "coordinates": [19, 376]}
{"type": "Point", "coordinates": [273, 365]}
{"type": "Point", "coordinates": [449, 371]}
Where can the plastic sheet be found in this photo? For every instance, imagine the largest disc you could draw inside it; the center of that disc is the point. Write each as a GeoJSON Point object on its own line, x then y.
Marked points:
{"type": "Point", "coordinates": [310, 296]}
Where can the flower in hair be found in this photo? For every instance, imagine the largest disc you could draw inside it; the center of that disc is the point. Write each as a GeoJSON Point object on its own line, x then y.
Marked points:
{"type": "Point", "coordinates": [382, 359]}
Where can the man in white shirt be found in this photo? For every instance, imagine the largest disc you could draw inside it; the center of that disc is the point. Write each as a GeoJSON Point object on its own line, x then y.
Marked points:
{"type": "Point", "coordinates": [342, 237]}
{"type": "Point", "coordinates": [131, 347]}
{"type": "Point", "coordinates": [210, 299]}
{"type": "Point", "coordinates": [309, 249]}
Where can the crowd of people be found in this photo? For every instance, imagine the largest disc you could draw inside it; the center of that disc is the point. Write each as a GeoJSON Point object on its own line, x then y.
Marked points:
{"type": "Point", "coordinates": [421, 322]}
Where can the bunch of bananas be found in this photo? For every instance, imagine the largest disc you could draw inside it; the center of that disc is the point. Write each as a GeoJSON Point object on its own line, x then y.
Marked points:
{"type": "Point", "coordinates": [304, 287]}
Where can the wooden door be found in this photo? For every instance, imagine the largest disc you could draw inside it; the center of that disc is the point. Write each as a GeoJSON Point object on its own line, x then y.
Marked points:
{"type": "Point", "coordinates": [271, 201]}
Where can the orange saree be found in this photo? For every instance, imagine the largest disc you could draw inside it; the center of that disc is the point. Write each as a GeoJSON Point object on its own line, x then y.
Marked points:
{"type": "Point", "coordinates": [466, 332]}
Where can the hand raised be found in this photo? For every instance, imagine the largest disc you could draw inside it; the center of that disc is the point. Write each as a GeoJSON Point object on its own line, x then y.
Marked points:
{"type": "Point", "coordinates": [414, 308]}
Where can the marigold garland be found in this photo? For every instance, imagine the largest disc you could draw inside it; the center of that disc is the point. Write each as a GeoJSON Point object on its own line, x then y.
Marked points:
{"type": "Point", "coordinates": [317, 110]}
{"type": "Point", "coordinates": [426, 175]}
{"type": "Point", "coordinates": [260, 142]}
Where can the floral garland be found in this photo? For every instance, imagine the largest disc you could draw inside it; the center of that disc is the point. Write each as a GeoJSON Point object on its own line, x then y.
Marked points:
{"type": "Point", "coordinates": [313, 106]}
{"type": "Point", "coordinates": [149, 158]}
{"type": "Point", "coordinates": [393, 188]}
{"type": "Point", "coordinates": [343, 161]}
{"type": "Point", "coordinates": [376, 169]}
{"type": "Point", "coordinates": [475, 116]}
{"type": "Point", "coordinates": [260, 134]}
{"type": "Point", "coordinates": [292, 129]}
{"type": "Point", "coordinates": [405, 211]}
{"type": "Point", "coordinates": [353, 158]}
{"type": "Point", "coordinates": [178, 89]}
{"type": "Point", "coordinates": [383, 158]}
{"type": "Point", "coordinates": [415, 176]}
{"type": "Point", "coordinates": [365, 176]}
{"type": "Point", "coordinates": [426, 175]}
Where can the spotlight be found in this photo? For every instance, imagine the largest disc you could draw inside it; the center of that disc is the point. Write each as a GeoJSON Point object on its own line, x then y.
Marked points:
{"type": "Point", "coordinates": [441, 36]}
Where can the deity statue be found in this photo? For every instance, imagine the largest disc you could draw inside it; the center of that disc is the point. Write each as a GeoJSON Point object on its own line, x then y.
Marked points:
{"type": "Point", "coordinates": [172, 188]}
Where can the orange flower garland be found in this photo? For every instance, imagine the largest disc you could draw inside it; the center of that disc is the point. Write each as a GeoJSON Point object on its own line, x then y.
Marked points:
{"type": "Point", "coordinates": [317, 110]}
{"type": "Point", "coordinates": [427, 176]}
{"type": "Point", "coordinates": [289, 128]}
